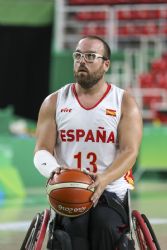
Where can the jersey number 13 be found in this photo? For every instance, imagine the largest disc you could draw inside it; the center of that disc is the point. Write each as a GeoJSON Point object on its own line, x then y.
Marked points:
{"type": "Point", "coordinates": [92, 158]}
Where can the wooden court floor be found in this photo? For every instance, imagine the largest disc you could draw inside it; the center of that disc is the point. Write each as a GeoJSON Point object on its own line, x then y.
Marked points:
{"type": "Point", "coordinates": [149, 198]}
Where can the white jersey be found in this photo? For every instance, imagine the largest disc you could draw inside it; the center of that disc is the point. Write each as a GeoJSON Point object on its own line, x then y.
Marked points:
{"type": "Point", "coordinates": [87, 137]}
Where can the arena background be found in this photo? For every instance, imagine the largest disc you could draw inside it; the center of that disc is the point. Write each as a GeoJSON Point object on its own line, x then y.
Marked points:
{"type": "Point", "coordinates": [36, 43]}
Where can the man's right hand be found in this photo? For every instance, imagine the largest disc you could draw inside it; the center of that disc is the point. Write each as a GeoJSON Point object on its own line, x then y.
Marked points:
{"type": "Point", "coordinates": [58, 171]}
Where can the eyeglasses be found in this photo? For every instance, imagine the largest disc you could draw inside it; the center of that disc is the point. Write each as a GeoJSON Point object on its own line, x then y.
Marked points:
{"type": "Point", "coordinates": [89, 57]}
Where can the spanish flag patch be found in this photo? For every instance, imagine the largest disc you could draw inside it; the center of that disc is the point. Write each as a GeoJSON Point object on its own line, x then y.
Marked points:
{"type": "Point", "coordinates": [111, 112]}
{"type": "Point", "coordinates": [129, 178]}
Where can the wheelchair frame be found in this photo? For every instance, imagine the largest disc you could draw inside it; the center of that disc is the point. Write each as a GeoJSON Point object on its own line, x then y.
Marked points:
{"type": "Point", "coordinates": [36, 232]}
{"type": "Point", "coordinates": [138, 223]}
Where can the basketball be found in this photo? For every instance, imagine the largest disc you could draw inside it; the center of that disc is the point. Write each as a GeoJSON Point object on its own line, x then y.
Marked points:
{"type": "Point", "coordinates": [68, 192]}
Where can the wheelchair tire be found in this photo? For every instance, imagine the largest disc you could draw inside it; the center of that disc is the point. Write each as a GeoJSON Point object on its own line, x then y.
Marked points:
{"type": "Point", "coordinates": [42, 231]}
{"type": "Point", "coordinates": [151, 231]}
{"type": "Point", "coordinates": [36, 232]}
{"type": "Point", "coordinates": [31, 235]}
{"type": "Point", "coordinates": [142, 231]}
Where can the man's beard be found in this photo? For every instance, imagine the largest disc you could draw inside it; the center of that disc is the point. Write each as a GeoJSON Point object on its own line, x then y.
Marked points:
{"type": "Point", "coordinates": [86, 81]}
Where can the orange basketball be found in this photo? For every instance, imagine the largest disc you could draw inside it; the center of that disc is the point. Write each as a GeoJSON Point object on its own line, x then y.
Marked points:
{"type": "Point", "coordinates": [68, 192]}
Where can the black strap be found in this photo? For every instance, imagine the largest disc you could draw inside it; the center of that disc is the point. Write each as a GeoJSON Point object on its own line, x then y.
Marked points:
{"type": "Point", "coordinates": [114, 202]}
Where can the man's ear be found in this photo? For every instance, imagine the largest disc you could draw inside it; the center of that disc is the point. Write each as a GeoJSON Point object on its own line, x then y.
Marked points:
{"type": "Point", "coordinates": [107, 65]}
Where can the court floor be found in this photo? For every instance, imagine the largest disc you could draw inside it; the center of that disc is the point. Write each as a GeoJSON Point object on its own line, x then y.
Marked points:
{"type": "Point", "coordinates": [149, 198]}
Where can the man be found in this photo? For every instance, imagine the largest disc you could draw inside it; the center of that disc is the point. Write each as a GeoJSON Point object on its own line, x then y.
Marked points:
{"type": "Point", "coordinates": [96, 127]}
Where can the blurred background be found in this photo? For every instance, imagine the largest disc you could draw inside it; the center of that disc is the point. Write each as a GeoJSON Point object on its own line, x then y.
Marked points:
{"type": "Point", "coordinates": [37, 38]}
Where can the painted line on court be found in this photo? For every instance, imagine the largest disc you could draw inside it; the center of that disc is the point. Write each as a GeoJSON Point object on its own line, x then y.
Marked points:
{"type": "Point", "coordinates": [15, 226]}
{"type": "Point", "coordinates": [23, 225]}
{"type": "Point", "coordinates": [158, 221]}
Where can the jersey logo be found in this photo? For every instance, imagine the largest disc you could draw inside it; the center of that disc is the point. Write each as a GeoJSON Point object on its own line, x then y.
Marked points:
{"type": "Point", "coordinates": [111, 112]}
{"type": "Point", "coordinates": [66, 110]}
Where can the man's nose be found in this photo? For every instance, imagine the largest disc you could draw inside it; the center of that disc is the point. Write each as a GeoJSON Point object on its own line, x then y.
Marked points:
{"type": "Point", "coordinates": [82, 59]}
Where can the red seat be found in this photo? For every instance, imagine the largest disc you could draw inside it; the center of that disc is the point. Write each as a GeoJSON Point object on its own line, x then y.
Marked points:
{"type": "Point", "coordinates": [150, 101]}
{"type": "Point", "coordinates": [163, 13]}
{"type": "Point", "coordinates": [100, 15]}
{"type": "Point", "coordinates": [161, 115]}
{"type": "Point", "coordinates": [153, 14]}
{"type": "Point", "coordinates": [138, 30]}
{"type": "Point", "coordinates": [81, 2]}
{"type": "Point", "coordinates": [164, 56]}
{"type": "Point", "coordinates": [162, 81]}
{"type": "Point", "coordinates": [95, 2]}
{"type": "Point", "coordinates": [124, 14]}
{"type": "Point", "coordinates": [156, 78]}
{"type": "Point", "coordinates": [140, 14]}
{"type": "Point", "coordinates": [146, 80]}
{"type": "Point", "coordinates": [159, 65]}
{"type": "Point", "coordinates": [127, 30]}
{"type": "Point", "coordinates": [149, 29]}
{"type": "Point", "coordinates": [123, 31]}
{"type": "Point", "coordinates": [94, 30]}
{"type": "Point", "coordinates": [163, 29]}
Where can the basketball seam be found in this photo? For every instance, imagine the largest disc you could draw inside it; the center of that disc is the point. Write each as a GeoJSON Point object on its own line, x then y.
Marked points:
{"type": "Point", "coordinates": [68, 185]}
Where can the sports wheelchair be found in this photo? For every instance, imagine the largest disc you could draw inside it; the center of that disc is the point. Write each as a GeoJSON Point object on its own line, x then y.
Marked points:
{"type": "Point", "coordinates": [139, 226]}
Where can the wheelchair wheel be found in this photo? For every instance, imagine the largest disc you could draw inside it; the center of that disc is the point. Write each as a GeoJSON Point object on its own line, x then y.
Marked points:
{"type": "Point", "coordinates": [144, 232]}
{"type": "Point", "coordinates": [36, 233]}
{"type": "Point", "coordinates": [42, 231]}
{"type": "Point", "coordinates": [151, 232]}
